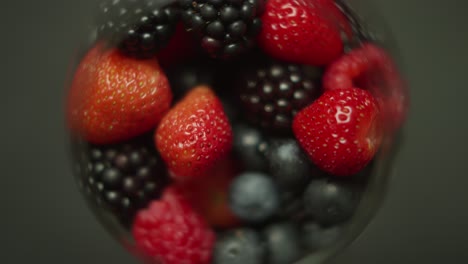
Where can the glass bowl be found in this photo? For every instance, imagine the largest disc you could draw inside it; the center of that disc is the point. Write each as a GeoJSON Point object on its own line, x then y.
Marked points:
{"type": "Point", "coordinates": [235, 131]}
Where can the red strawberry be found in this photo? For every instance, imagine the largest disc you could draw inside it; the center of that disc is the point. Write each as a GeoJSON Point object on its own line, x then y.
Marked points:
{"type": "Point", "coordinates": [114, 98]}
{"type": "Point", "coordinates": [371, 68]}
{"type": "Point", "coordinates": [340, 131]}
{"type": "Point", "coordinates": [209, 197]}
{"type": "Point", "coordinates": [302, 31]}
{"type": "Point", "coordinates": [195, 134]}
{"type": "Point", "coordinates": [170, 232]}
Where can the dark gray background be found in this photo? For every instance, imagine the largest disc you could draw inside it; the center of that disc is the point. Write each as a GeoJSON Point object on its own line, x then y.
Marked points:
{"type": "Point", "coordinates": [44, 220]}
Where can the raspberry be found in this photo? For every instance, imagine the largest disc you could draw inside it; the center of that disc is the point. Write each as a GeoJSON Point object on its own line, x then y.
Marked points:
{"type": "Point", "coordinates": [170, 232]}
{"type": "Point", "coordinates": [370, 67]}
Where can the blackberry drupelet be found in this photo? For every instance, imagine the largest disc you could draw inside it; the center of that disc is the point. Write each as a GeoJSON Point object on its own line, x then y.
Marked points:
{"type": "Point", "coordinates": [122, 178]}
{"type": "Point", "coordinates": [226, 28]}
{"type": "Point", "coordinates": [272, 94]}
{"type": "Point", "coordinates": [139, 28]}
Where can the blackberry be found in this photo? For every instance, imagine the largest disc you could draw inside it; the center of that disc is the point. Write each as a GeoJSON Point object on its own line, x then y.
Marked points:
{"type": "Point", "coordinates": [239, 246]}
{"type": "Point", "coordinates": [122, 178]}
{"type": "Point", "coordinates": [283, 242]}
{"type": "Point", "coordinates": [272, 94]}
{"type": "Point", "coordinates": [139, 28]}
{"type": "Point", "coordinates": [226, 28]}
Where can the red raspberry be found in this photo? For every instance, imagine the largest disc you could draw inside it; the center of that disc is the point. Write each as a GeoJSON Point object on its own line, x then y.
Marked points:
{"type": "Point", "coordinates": [371, 68]}
{"type": "Point", "coordinates": [170, 232]}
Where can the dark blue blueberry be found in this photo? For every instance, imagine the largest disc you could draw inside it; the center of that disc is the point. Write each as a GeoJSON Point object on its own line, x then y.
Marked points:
{"type": "Point", "coordinates": [288, 164]}
{"type": "Point", "coordinates": [330, 202]}
{"type": "Point", "coordinates": [283, 243]}
{"type": "Point", "coordinates": [253, 197]}
{"type": "Point", "coordinates": [315, 237]}
{"type": "Point", "coordinates": [249, 147]}
{"type": "Point", "coordinates": [240, 246]}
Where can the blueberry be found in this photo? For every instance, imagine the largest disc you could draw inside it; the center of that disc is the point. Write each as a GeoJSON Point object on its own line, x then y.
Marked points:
{"type": "Point", "coordinates": [240, 246]}
{"type": "Point", "coordinates": [283, 242]}
{"type": "Point", "coordinates": [249, 147]}
{"type": "Point", "coordinates": [253, 196]}
{"type": "Point", "coordinates": [288, 164]}
{"type": "Point", "coordinates": [330, 202]}
{"type": "Point", "coordinates": [315, 237]}
{"type": "Point", "coordinates": [292, 207]}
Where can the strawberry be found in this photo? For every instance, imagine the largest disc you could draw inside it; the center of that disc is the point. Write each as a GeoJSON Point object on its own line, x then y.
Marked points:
{"type": "Point", "coordinates": [114, 98]}
{"type": "Point", "coordinates": [340, 131]}
{"type": "Point", "coordinates": [302, 31]}
{"type": "Point", "coordinates": [209, 197]}
{"type": "Point", "coordinates": [371, 68]}
{"type": "Point", "coordinates": [194, 135]}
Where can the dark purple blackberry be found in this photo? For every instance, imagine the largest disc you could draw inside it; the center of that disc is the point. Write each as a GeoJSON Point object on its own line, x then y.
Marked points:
{"type": "Point", "coordinates": [122, 178]}
{"type": "Point", "coordinates": [271, 95]}
{"type": "Point", "coordinates": [138, 27]}
{"type": "Point", "coordinates": [226, 28]}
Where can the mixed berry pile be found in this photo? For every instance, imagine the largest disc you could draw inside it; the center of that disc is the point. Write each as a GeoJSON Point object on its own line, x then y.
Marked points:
{"type": "Point", "coordinates": [231, 131]}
